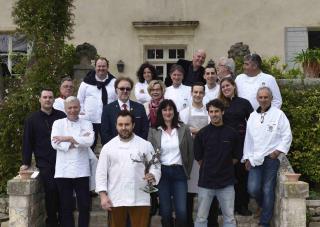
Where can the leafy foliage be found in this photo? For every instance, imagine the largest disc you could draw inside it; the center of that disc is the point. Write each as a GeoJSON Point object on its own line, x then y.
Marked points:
{"type": "Point", "coordinates": [302, 106]}
{"type": "Point", "coordinates": [46, 25]}
{"type": "Point", "coordinates": [272, 67]}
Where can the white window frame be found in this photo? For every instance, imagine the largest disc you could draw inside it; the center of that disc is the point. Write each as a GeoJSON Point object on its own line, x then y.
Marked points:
{"type": "Point", "coordinates": [165, 60]}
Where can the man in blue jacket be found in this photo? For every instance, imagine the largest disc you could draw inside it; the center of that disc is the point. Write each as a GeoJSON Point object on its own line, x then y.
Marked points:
{"type": "Point", "coordinates": [123, 86]}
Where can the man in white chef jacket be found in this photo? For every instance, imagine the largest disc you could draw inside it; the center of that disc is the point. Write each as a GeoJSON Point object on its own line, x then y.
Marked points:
{"type": "Point", "coordinates": [268, 135]}
{"type": "Point", "coordinates": [119, 179]}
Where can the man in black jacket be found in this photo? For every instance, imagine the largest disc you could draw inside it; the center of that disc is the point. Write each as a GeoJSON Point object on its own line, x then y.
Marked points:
{"type": "Point", "coordinates": [36, 140]}
{"type": "Point", "coordinates": [193, 69]}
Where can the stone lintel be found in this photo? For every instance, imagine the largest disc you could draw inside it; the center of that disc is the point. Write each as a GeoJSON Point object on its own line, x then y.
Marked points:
{"type": "Point", "coordinates": [298, 189]}
{"type": "Point", "coordinates": [165, 24]}
{"type": "Point", "coordinates": [17, 186]}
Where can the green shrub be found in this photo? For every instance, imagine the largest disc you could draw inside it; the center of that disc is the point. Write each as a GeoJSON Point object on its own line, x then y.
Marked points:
{"type": "Point", "coordinates": [302, 106]}
{"type": "Point", "coordinates": [271, 66]}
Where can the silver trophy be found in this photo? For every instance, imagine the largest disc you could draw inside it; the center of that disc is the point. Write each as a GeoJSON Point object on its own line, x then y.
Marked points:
{"type": "Point", "coordinates": [155, 159]}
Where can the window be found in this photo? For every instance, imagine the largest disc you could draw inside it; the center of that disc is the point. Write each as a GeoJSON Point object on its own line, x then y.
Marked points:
{"type": "Point", "coordinates": [163, 57]}
{"type": "Point", "coordinates": [12, 47]}
{"type": "Point", "coordinates": [314, 38]}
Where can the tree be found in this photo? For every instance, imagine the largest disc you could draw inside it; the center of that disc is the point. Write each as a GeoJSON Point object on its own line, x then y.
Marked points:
{"type": "Point", "coordinates": [46, 25]}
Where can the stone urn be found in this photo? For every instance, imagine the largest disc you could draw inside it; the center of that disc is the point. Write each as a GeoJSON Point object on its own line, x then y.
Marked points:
{"type": "Point", "coordinates": [292, 177]}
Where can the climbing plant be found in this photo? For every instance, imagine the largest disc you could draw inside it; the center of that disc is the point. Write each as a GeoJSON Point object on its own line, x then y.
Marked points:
{"type": "Point", "coordinates": [47, 25]}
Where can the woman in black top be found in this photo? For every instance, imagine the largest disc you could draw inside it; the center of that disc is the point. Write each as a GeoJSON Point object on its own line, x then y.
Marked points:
{"type": "Point", "coordinates": [236, 113]}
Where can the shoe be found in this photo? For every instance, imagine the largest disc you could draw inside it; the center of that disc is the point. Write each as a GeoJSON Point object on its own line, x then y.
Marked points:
{"type": "Point", "coordinates": [243, 211]}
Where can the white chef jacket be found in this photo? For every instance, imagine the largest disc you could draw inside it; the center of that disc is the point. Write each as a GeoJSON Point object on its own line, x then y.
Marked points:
{"type": "Point", "coordinates": [72, 162]}
{"type": "Point", "coordinates": [91, 102]}
{"type": "Point", "coordinates": [122, 178]}
{"type": "Point", "coordinates": [181, 96]}
{"type": "Point", "coordinates": [142, 97]}
{"type": "Point", "coordinates": [248, 86]}
{"type": "Point", "coordinates": [264, 137]}
{"type": "Point", "coordinates": [59, 104]}
{"type": "Point", "coordinates": [210, 94]}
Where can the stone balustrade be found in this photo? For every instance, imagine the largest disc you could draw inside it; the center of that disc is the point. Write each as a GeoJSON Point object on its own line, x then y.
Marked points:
{"type": "Point", "coordinates": [26, 203]}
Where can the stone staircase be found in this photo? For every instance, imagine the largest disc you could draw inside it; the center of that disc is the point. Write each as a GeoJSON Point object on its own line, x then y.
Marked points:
{"type": "Point", "coordinates": [99, 217]}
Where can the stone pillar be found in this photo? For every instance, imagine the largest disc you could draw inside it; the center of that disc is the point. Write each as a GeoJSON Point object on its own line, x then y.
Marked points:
{"type": "Point", "coordinates": [26, 203]}
{"type": "Point", "coordinates": [290, 203]}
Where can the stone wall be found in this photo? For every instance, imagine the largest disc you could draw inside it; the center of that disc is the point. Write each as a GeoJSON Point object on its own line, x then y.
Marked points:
{"type": "Point", "coordinates": [26, 203]}
{"type": "Point", "coordinates": [313, 208]}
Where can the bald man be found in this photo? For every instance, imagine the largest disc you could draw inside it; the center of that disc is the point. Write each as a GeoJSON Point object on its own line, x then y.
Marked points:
{"type": "Point", "coordinates": [194, 70]}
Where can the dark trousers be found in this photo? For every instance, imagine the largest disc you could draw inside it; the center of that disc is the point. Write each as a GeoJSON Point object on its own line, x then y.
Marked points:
{"type": "Point", "coordinates": [241, 192]}
{"type": "Point", "coordinates": [97, 132]}
{"type": "Point", "coordinates": [213, 213]}
{"type": "Point", "coordinates": [51, 195]}
{"type": "Point", "coordinates": [66, 187]}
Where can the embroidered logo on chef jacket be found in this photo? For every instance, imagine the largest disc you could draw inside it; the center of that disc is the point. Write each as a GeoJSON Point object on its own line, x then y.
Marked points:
{"type": "Point", "coordinates": [271, 127]}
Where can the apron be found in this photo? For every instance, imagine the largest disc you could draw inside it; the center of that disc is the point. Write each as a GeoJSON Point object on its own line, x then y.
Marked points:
{"type": "Point", "coordinates": [196, 122]}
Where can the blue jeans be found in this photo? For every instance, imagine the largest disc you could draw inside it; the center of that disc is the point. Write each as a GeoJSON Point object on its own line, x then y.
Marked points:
{"type": "Point", "coordinates": [173, 182]}
{"type": "Point", "coordinates": [261, 186]}
{"type": "Point", "coordinates": [225, 197]}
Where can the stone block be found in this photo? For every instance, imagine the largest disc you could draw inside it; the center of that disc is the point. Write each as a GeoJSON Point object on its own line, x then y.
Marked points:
{"type": "Point", "coordinates": [314, 224]}
{"type": "Point", "coordinates": [4, 205]}
{"type": "Point", "coordinates": [298, 189]}
{"type": "Point", "coordinates": [19, 202]}
{"type": "Point", "coordinates": [313, 203]}
{"type": "Point", "coordinates": [292, 212]}
{"type": "Point", "coordinates": [17, 186]}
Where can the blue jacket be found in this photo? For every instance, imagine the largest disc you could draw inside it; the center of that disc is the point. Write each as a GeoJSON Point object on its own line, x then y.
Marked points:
{"type": "Point", "coordinates": [109, 119]}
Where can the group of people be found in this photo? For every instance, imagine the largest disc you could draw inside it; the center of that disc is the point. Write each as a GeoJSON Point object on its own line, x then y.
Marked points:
{"type": "Point", "coordinates": [219, 138]}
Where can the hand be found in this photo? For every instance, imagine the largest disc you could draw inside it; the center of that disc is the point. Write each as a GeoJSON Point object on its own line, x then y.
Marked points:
{"type": "Point", "coordinates": [149, 177]}
{"type": "Point", "coordinates": [105, 202]}
{"type": "Point", "coordinates": [194, 131]}
{"type": "Point", "coordinates": [274, 155]}
{"type": "Point", "coordinates": [200, 162]}
{"type": "Point", "coordinates": [59, 139]}
{"type": "Point", "coordinates": [248, 165]}
{"type": "Point", "coordinates": [24, 167]}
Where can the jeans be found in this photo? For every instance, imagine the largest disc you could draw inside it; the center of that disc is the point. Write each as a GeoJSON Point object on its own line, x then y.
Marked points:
{"type": "Point", "coordinates": [261, 186]}
{"type": "Point", "coordinates": [226, 200]}
{"type": "Point", "coordinates": [173, 183]}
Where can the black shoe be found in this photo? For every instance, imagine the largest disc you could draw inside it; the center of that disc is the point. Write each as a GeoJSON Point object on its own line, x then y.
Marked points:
{"type": "Point", "coordinates": [243, 211]}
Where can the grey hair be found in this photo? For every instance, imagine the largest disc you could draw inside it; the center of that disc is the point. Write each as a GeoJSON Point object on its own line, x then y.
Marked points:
{"type": "Point", "coordinates": [229, 63]}
{"type": "Point", "coordinates": [255, 58]}
{"type": "Point", "coordinates": [265, 88]}
{"type": "Point", "coordinates": [71, 99]}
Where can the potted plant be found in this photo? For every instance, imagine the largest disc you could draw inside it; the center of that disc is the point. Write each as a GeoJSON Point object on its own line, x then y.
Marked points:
{"type": "Point", "coordinates": [310, 62]}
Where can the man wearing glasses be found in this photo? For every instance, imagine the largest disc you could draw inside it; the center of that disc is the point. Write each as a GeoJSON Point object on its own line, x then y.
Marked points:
{"type": "Point", "coordinates": [66, 90]}
{"type": "Point", "coordinates": [268, 135]}
{"type": "Point", "coordinates": [226, 67]}
{"type": "Point", "coordinates": [123, 86]}
{"type": "Point", "coordinates": [96, 91]}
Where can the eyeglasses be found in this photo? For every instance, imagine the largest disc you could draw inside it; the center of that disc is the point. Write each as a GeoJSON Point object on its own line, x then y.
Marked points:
{"type": "Point", "coordinates": [67, 86]}
{"type": "Point", "coordinates": [124, 88]}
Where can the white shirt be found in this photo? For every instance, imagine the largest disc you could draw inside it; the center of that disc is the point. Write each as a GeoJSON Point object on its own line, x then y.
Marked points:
{"type": "Point", "coordinates": [274, 133]}
{"type": "Point", "coordinates": [181, 96]}
{"type": "Point", "coordinates": [91, 102]}
{"type": "Point", "coordinates": [119, 176]}
{"type": "Point", "coordinates": [170, 151]}
{"type": "Point", "coordinates": [72, 162]}
{"type": "Point", "coordinates": [142, 97]}
{"type": "Point", "coordinates": [59, 104]}
{"type": "Point", "coordinates": [211, 93]}
{"type": "Point", "coordinates": [121, 104]}
{"type": "Point", "coordinates": [248, 86]}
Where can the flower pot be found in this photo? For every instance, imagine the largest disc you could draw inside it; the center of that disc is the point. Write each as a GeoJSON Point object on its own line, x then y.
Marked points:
{"type": "Point", "coordinates": [292, 177]}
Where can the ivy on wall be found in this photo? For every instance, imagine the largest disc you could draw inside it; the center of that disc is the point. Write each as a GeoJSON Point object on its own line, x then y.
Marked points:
{"type": "Point", "coordinates": [47, 25]}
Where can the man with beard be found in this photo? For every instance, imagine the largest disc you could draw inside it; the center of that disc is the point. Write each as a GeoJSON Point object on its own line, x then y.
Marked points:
{"type": "Point", "coordinates": [36, 140]}
{"type": "Point", "coordinates": [119, 179]}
